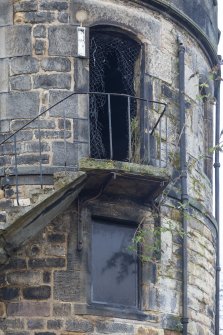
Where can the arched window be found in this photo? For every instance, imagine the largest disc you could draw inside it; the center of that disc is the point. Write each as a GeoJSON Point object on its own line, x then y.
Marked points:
{"type": "Point", "coordinates": [115, 69]}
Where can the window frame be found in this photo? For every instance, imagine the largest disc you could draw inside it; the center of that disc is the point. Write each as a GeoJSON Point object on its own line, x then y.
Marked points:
{"type": "Point", "coordinates": [109, 306]}
{"type": "Point", "coordinates": [121, 212]}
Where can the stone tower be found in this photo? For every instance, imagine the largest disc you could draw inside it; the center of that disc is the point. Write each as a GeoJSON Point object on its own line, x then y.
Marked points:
{"type": "Point", "coordinates": [106, 120]}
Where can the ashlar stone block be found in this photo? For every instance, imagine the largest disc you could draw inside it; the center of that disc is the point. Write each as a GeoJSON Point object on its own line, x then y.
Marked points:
{"type": "Point", "coordinates": [40, 47]}
{"type": "Point", "coordinates": [53, 5]}
{"type": "Point", "coordinates": [19, 105]}
{"type": "Point", "coordinates": [58, 64]}
{"type": "Point", "coordinates": [24, 64]}
{"type": "Point", "coordinates": [39, 31]}
{"type": "Point", "coordinates": [6, 13]}
{"type": "Point", "coordinates": [4, 78]}
{"type": "Point", "coordinates": [68, 105]}
{"type": "Point", "coordinates": [21, 83]}
{"type": "Point", "coordinates": [159, 65]}
{"type": "Point", "coordinates": [62, 41]}
{"type": "Point", "coordinates": [25, 6]}
{"type": "Point", "coordinates": [15, 41]}
{"type": "Point", "coordinates": [53, 81]}
{"type": "Point", "coordinates": [38, 17]}
{"type": "Point", "coordinates": [28, 309]}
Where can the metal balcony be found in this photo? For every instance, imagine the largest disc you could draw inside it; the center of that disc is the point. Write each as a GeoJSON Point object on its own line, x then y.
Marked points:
{"type": "Point", "coordinates": [141, 140]}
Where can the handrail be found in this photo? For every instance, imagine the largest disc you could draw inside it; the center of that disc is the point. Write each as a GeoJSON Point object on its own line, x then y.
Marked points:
{"type": "Point", "coordinates": [83, 93]}
{"type": "Point", "coordinates": [154, 150]}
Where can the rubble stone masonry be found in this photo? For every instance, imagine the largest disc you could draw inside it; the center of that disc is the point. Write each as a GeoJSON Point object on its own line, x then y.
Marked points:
{"type": "Point", "coordinates": [44, 288]}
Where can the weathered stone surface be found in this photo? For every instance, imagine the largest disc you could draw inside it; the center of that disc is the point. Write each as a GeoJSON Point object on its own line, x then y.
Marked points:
{"type": "Point", "coordinates": [61, 309]}
{"type": "Point", "coordinates": [56, 238]}
{"type": "Point", "coordinates": [159, 65]}
{"type": "Point", "coordinates": [54, 324]}
{"type": "Point", "coordinates": [46, 263]}
{"type": "Point", "coordinates": [62, 41]}
{"type": "Point", "coordinates": [19, 105]}
{"type": "Point", "coordinates": [46, 277]}
{"type": "Point", "coordinates": [26, 64]}
{"type": "Point", "coordinates": [4, 78]}
{"type": "Point", "coordinates": [69, 106]}
{"type": "Point", "coordinates": [9, 323]}
{"type": "Point", "coordinates": [15, 263]}
{"type": "Point", "coordinates": [52, 81]}
{"type": "Point", "coordinates": [37, 293]}
{"type": "Point", "coordinates": [58, 64]}
{"type": "Point", "coordinates": [17, 333]}
{"type": "Point", "coordinates": [2, 310]}
{"type": "Point", "coordinates": [6, 13]}
{"type": "Point", "coordinates": [24, 278]}
{"type": "Point", "coordinates": [25, 6]}
{"type": "Point", "coordinates": [149, 331]}
{"type": "Point", "coordinates": [39, 47]}
{"type": "Point", "coordinates": [63, 17]}
{"type": "Point", "coordinates": [15, 41]}
{"type": "Point", "coordinates": [66, 285]}
{"type": "Point", "coordinates": [28, 309]}
{"type": "Point", "coordinates": [9, 293]}
{"type": "Point", "coordinates": [38, 17]}
{"type": "Point", "coordinates": [62, 155]}
{"type": "Point", "coordinates": [114, 327]}
{"type": "Point", "coordinates": [21, 83]}
{"type": "Point", "coordinates": [53, 5]}
{"type": "Point", "coordinates": [79, 325]}
{"type": "Point", "coordinates": [39, 31]}
{"type": "Point", "coordinates": [40, 123]}
{"type": "Point", "coordinates": [35, 324]}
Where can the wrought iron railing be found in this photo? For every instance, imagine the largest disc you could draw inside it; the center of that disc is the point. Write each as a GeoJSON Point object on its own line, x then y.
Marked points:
{"type": "Point", "coordinates": [146, 140]}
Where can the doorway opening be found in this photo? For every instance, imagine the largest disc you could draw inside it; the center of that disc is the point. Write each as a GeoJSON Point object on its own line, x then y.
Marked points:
{"type": "Point", "coordinates": [114, 68]}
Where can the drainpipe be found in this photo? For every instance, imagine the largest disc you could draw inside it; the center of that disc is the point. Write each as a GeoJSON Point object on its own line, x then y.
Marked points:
{"type": "Point", "coordinates": [183, 176]}
{"type": "Point", "coordinates": [217, 168]}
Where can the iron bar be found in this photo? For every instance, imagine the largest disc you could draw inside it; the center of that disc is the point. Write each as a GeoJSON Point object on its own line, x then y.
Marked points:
{"type": "Point", "coordinates": [64, 138]}
{"type": "Point", "coordinates": [184, 193]}
{"type": "Point", "coordinates": [110, 126]}
{"type": "Point", "coordinates": [40, 156]}
{"type": "Point", "coordinates": [16, 170]}
{"type": "Point", "coordinates": [146, 134]}
{"type": "Point", "coordinates": [166, 139]}
{"type": "Point", "coordinates": [76, 93]}
{"type": "Point", "coordinates": [217, 204]}
{"type": "Point", "coordinates": [145, 139]}
{"type": "Point", "coordinates": [157, 122]}
{"type": "Point", "coordinates": [160, 144]}
{"type": "Point", "coordinates": [142, 132]}
{"type": "Point", "coordinates": [129, 131]}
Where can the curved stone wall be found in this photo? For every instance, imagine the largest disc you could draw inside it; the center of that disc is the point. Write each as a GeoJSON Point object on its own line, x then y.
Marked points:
{"type": "Point", "coordinates": [39, 66]}
{"type": "Point", "coordinates": [202, 13]}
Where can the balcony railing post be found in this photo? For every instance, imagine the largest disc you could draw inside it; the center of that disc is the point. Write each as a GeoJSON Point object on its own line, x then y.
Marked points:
{"type": "Point", "coordinates": [166, 139]}
{"type": "Point", "coordinates": [160, 142]}
{"type": "Point", "coordinates": [147, 133]}
{"type": "Point", "coordinates": [64, 138]}
{"type": "Point", "coordinates": [16, 170]}
{"type": "Point", "coordinates": [129, 130]}
{"type": "Point", "coordinates": [40, 155]}
{"type": "Point", "coordinates": [110, 126]}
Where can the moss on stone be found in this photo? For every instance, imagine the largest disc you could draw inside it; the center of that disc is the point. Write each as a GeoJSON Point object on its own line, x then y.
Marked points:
{"type": "Point", "coordinates": [87, 164]}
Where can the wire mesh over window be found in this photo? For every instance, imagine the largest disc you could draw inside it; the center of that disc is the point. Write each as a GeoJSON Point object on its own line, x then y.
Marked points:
{"type": "Point", "coordinates": [112, 64]}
